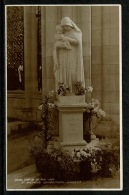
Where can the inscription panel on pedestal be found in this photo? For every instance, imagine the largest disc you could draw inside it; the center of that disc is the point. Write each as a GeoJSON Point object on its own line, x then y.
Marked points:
{"type": "Point", "coordinates": [72, 126]}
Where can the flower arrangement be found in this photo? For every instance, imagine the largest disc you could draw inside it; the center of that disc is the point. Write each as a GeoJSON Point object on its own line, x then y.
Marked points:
{"type": "Point", "coordinates": [93, 109]}
{"type": "Point", "coordinates": [83, 164]}
{"type": "Point", "coordinates": [103, 161]}
{"type": "Point", "coordinates": [62, 89]}
{"type": "Point", "coordinates": [80, 90]}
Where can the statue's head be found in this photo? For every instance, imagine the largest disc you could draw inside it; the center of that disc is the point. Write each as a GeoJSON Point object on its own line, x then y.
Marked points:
{"type": "Point", "coordinates": [66, 23]}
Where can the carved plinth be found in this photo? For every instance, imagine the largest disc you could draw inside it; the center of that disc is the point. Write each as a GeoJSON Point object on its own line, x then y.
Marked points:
{"type": "Point", "coordinates": [71, 120]}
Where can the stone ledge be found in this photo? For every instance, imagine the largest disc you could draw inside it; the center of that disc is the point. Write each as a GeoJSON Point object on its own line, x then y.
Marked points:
{"type": "Point", "coordinates": [15, 126]}
{"type": "Point", "coordinates": [71, 99]}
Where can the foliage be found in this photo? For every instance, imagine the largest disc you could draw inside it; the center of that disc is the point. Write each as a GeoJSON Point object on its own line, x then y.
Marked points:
{"type": "Point", "coordinates": [101, 161]}
{"type": "Point", "coordinates": [110, 162]}
{"type": "Point", "coordinates": [80, 164]}
{"type": "Point", "coordinates": [48, 112]}
{"type": "Point", "coordinates": [55, 164]}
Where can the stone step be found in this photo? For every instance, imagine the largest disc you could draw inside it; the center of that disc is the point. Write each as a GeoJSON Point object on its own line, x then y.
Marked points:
{"type": "Point", "coordinates": [16, 126]}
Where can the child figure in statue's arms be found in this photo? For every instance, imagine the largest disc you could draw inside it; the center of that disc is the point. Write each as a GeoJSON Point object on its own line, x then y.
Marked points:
{"type": "Point", "coordinates": [61, 42]}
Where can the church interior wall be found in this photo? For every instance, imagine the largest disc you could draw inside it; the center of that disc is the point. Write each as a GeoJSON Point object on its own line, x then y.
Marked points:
{"type": "Point", "coordinates": [105, 59]}
{"type": "Point", "coordinates": [100, 30]}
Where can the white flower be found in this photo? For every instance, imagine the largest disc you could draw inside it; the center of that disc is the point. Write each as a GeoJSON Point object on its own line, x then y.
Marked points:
{"type": "Point", "coordinates": [83, 153]}
{"type": "Point", "coordinates": [51, 93]}
{"type": "Point", "coordinates": [88, 154]}
{"type": "Point", "coordinates": [95, 102]}
{"type": "Point", "coordinates": [95, 110]}
{"type": "Point", "coordinates": [101, 113]}
{"type": "Point", "coordinates": [40, 107]}
{"type": "Point", "coordinates": [89, 89]}
{"type": "Point", "coordinates": [78, 155]}
{"type": "Point", "coordinates": [51, 105]}
{"type": "Point", "coordinates": [90, 105]}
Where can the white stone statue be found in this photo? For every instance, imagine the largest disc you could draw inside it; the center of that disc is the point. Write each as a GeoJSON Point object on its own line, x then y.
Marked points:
{"type": "Point", "coordinates": [61, 42]}
{"type": "Point", "coordinates": [68, 55]}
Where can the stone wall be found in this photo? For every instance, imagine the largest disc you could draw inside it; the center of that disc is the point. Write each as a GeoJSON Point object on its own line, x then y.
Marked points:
{"type": "Point", "coordinates": [100, 30]}
{"type": "Point", "coordinates": [16, 108]}
{"type": "Point", "coordinates": [19, 104]}
{"type": "Point", "coordinates": [105, 59]}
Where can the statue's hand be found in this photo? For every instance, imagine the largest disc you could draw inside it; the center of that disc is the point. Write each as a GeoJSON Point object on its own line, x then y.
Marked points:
{"type": "Point", "coordinates": [64, 39]}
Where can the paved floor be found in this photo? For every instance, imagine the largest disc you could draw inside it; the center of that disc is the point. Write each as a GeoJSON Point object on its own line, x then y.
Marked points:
{"type": "Point", "coordinates": [18, 146]}
{"type": "Point", "coordinates": [27, 177]}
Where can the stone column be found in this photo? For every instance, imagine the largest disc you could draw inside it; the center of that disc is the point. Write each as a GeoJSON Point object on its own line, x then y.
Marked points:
{"type": "Point", "coordinates": [43, 48]}
{"type": "Point", "coordinates": [97, 52]}
{"type": "Point", "coordinates": [84, 18]}
{"type": "Point", "coordinates": [51, 22]}
{"type": "Point", "coordinates": [67, 11]}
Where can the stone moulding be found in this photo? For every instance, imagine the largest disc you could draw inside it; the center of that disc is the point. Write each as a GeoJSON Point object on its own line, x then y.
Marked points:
{"type": "Point", "coordinates": [71, 99]}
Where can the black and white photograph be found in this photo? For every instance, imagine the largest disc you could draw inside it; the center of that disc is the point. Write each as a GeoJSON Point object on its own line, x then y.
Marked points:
{"type": "Point", "coordinates": [63, 97]}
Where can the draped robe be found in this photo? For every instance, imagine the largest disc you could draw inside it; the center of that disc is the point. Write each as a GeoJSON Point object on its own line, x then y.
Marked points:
{"type": "Point", "coordinates": [70, 62]}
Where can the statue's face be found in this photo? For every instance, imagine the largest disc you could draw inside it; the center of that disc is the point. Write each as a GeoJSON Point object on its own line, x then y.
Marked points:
{"type": "Point", "coordinates": [66, 27]}
{"type": "Point", "coordinates": [60, 30]}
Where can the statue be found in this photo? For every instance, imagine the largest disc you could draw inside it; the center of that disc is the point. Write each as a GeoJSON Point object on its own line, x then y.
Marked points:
{"type": "Point", "coordinates": [67, 54]}
{"type": "Point", "coordinates": [61, 42]}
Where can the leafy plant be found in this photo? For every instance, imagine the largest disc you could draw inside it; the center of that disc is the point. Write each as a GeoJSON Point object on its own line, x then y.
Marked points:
{"type": "Point", "coordinates": [85, 163]}
{"type": "Point", "coordinates": [103, 161]}
{"type": "Point", "coordinates": [48, 112]}
{"type": "Point", "coordinates": [56, 164]}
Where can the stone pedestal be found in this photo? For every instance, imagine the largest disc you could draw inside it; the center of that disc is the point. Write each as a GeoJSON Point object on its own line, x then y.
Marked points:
{"type": "Point", "coordinates": [71, 110]}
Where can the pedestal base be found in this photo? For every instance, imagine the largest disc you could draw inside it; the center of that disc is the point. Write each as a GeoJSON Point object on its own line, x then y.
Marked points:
{"type": "Point", "coordinates": [77, 143]}
{"type": "Point", "coordinates": [71, 121]}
